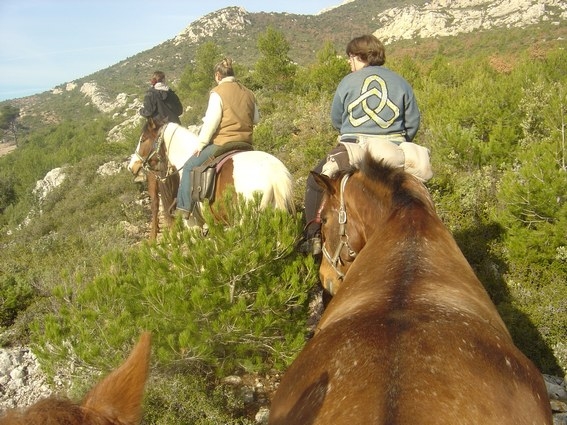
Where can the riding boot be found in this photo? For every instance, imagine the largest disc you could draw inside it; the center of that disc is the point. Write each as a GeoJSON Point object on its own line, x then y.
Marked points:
{"type": "Point", "coordinates": [312, 200]}
{"type": "Point", "coordinates": [311, 243]}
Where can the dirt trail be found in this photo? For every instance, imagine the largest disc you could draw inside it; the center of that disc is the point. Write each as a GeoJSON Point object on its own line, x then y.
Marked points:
{"type": "Point", "coordinates": [6, 148]}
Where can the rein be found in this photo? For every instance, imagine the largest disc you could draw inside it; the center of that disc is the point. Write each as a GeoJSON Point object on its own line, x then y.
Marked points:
{"type": "Point", "coordinates": [343, 237]}
{"type": "Point", "coordinates": [157, 145]}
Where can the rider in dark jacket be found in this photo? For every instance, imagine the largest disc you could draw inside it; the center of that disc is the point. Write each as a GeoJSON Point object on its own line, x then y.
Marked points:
{"type": "Point", "coordinates": [161, 102]}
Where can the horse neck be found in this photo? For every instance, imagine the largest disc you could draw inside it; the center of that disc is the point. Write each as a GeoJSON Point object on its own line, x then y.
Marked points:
{"type": "Point", "coordinates": [180, 144]}
{"type": "Point", "coordinates": [410, 253]}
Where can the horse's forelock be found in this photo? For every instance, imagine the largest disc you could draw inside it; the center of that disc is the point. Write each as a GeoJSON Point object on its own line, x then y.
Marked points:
{"type": "Point", "coordinates": [152, 127]}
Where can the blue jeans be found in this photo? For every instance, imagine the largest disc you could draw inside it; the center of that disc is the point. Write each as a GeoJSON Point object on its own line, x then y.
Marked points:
{"type": "Point", "coordinates": [184, 201]}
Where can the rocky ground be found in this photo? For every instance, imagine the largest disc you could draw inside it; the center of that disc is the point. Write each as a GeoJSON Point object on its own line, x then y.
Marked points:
{"type": "Point", "coordinates": [22, 381]}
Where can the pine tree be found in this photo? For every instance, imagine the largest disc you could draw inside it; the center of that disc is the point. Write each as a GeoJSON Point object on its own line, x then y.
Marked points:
{"type": "Point", "coordinates": [235, 299]}
{"type": "Point", "coordinates": [274, 70]}
{"type": "Point", "coordinates": [197, 80]}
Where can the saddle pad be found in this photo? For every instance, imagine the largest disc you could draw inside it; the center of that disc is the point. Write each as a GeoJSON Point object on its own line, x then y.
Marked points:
{"type": "Point", "coordinates": [204, 177]}
{"type": "Point", "coordinates": [417, 160]}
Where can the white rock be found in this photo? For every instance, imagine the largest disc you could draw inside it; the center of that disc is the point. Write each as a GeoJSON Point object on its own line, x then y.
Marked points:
{"type": "Point", "coordinates": [449, 17]}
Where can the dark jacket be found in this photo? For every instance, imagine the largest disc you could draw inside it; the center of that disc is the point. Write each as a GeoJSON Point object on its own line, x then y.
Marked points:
{"type": "Point", "coordinates": [162, 103]}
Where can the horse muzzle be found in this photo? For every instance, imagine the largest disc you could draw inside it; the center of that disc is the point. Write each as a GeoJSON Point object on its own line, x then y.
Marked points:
{"type": "Point", "coordinates": [330, 280]}
{"type": "Point", "coordinates": [135, 166]}
{"type": "Point", "coordinates": [140, 176]}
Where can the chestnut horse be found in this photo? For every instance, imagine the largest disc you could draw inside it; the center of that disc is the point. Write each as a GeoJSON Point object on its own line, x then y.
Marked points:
{"type": "Point", "coordinates": [163, 150]}
{"type": "Point", "coordinates": [116, 400]}
{"type": "Point", "coordinates": [410, 335]}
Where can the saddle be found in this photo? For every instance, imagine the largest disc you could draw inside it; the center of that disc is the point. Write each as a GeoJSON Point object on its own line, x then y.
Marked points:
{"type": "Point", "coordinates": [204, 177]}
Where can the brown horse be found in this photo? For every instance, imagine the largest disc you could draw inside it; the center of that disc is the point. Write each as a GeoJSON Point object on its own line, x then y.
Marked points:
{"type": "Point", "coordinates": [162, 178]}
{"type": "Point", "coordinates": [163, 150]}
{"type": "Point", "coordinates": [116, 400]}
{"type": "Point", "coordinates": [410, 335]}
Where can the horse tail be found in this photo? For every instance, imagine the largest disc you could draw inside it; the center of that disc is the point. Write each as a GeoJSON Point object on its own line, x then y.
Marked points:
{"type": "Point", "coordinates": [258, 171]}
{"type": "Point", "coordinates": [281, 195]}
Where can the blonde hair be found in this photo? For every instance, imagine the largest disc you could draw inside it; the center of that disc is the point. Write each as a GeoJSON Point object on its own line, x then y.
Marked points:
{"type": "Point", "coordinates": [224, 68]}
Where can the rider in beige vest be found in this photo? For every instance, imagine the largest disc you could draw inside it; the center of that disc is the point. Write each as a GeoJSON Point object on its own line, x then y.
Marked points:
{"type": "Point", "coordinates": [238, 107]}
{"type": "Point", "coordinates": [231, 114]}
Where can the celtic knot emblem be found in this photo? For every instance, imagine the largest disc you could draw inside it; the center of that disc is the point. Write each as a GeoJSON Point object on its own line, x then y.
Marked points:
{"type": "Point", "coordinates": [383, 114]}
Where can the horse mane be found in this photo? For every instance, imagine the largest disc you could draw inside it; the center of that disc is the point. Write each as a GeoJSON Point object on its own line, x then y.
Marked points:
{"type": "Point", "coordinates": [148, 126]}
{"type": "Point", "coordinates": [406, 190]}
{"type": "Point", "coordinates": [152, 125]}
{"type": "Point", "coordinates": [48, 411]}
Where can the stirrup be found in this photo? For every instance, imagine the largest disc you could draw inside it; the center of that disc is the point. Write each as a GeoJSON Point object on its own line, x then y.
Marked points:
{"type": "Point", "coordinates": [312, 245]}
{"type": "Point", "coordinates": [191, 222]}
{"type": "Point", "coordinates": [316, 245]}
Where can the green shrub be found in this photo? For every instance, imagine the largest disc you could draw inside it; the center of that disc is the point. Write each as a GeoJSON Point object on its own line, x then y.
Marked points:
{"type": "Point", "coordinates": [15, 296]}
{"type": "Point", "coordinates": [236, 299]}
{"type": "Point", "coordinates": [187, 399]}
{"type": "Point", "coordinates": [536, 313]}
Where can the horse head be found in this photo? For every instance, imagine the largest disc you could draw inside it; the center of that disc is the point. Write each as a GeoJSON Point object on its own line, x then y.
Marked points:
{"type": "Point", "coordinates": [357, 204]}
{"type": "Point", "coordinates": [147, 155]}
{"type": "Point", "coordinates": [341, 235]}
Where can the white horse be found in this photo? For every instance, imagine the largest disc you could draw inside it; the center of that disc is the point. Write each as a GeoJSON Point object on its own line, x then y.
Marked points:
{"type": "Point", "coordinates": [162, 152]}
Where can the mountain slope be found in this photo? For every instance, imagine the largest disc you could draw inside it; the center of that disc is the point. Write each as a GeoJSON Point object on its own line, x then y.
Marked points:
{"type": "Point", "coordinates": [417, 28]}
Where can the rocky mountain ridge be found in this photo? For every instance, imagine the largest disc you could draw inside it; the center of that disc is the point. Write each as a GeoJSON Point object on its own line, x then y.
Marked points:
{"type": "Point", "coordinates": [116, 89]}
{"type": "Point", "coordinates": [438, 18]}
{"type": "Point", "coordinates": [441, 18]}
{"type": "Point", "coordinates": [229, 20]}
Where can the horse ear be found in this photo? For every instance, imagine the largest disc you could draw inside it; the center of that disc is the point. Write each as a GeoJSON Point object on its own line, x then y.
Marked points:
{"type": "Point", "coordinates": [325, 182]}
{"type": "Point", "coordinates": [118, 397]}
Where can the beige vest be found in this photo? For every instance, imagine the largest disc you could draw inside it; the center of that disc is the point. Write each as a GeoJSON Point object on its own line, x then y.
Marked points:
{"type": "Point", "coordinates": [237, 120]}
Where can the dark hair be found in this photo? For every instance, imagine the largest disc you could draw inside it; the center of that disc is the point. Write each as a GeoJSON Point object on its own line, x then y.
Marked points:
{"type": "Point", "coordinates": [224, 68]}
{"type": "Point", "coordinates": [368, 48]}
{"type": "Point", "coordinates": [158, 76]}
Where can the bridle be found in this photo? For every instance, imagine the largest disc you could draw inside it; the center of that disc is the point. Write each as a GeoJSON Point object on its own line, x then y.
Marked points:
{"type": "Point", "coordinates": [335, 259]}
{"type": "Point", "coordinates": [158, 152]}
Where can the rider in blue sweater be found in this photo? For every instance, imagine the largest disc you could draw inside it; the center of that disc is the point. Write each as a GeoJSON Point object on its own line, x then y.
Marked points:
{"type": "Point", "coordinates": [372, 104]}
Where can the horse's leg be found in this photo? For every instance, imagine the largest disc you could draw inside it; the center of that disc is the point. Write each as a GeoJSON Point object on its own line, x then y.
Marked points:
{"type": "Point", "coordinates": [153, 191]}
{"type": "Point", "coordinates": [168, 190]}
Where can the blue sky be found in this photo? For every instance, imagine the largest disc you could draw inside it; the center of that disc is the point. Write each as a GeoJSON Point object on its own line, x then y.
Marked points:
{"type": "Point", "coordinates": [44, 43]}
